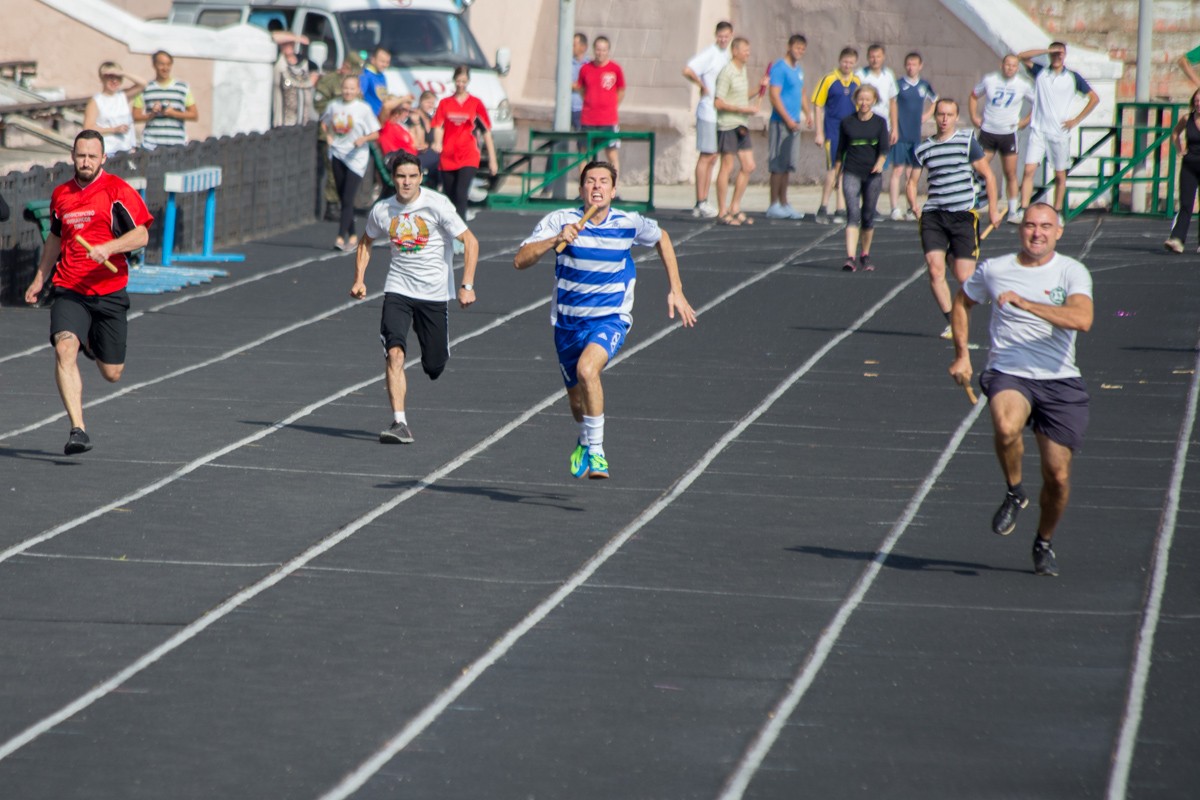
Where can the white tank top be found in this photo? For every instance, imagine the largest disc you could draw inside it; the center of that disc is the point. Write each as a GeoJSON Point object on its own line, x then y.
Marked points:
{"type": "Point", "coordinates": [113, 110]}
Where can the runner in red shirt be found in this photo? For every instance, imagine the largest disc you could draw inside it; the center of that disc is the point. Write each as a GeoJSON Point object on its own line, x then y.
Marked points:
{"type": "Point", "coordinates": [90, 301]}
{"type": "Point", "coordinates": [454, 137]}
{"type": "Point", "coordinates": [602, 84]}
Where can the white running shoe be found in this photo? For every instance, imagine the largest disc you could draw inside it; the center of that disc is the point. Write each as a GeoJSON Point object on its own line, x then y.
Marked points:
{"type": "Point", "coordinates": [793, 213]}
{"type": "Point", "coordinates": [948, 333]}
{"type": "Point", "coordinates": [1014, 217]}
{"type": "Point", "coordinates": [1174, 245]}
{"type": "Point", "coordinates": [897, 214]}
{"type": "Point", "coordinates": [776, 211]}
{"type": "Point", "coordinates": [704, 211]}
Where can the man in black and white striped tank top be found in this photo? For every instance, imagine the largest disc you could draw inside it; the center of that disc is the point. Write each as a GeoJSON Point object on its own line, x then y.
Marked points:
{"type": "Point", "coordinates": [948, 221]}
{"type": "Point", "coordinates": [165, 105]}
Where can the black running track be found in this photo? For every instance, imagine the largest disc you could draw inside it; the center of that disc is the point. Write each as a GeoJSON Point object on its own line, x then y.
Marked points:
{"type": "Point", "coordinates": [787, 589]}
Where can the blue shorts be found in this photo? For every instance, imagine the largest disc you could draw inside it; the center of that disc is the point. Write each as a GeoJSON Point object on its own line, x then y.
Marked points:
{"type": "Point", "coordinates": [831, 147]}
{"type": "Point", "coordinates": [902, 154]}
{"type": "Point", "coordinates": [608, 332]}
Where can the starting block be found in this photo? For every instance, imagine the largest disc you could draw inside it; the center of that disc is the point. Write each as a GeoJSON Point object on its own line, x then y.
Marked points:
{"type": "Point", "coordinates": [204, 179]}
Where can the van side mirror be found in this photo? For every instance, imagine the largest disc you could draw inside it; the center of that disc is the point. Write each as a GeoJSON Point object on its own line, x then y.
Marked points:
{"type": "Point", "coordinates": [318, 53]}
{"type": "Point", "coordinates": [503, 60]}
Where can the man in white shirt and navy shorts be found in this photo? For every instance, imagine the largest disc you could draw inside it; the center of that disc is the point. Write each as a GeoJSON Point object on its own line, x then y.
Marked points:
{"type": "Point", "coordinates": [1054, 90]}
{"type": "Point", "coordinates": [1003, 94]}
{"type": "Point", "coordinates": [703, 70]}
{"type": "Point", "coordinates": [421, 224]}
{"type": "Point", "coordinates": [1041, 301]}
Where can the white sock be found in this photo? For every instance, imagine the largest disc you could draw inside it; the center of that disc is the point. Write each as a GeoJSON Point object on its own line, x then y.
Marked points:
{"type": "Point", "coordinates": [398, 416]}
{"type": "Point", "coordinates": [594, 426]}
{"type": "Point", "coordinates": [1013, 205]}
{"type": "Point", "coordinates": [583, 433]}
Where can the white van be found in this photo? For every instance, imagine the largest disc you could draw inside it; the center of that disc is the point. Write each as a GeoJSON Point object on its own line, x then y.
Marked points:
{"type": "Point", "coordinates": [427, 40]}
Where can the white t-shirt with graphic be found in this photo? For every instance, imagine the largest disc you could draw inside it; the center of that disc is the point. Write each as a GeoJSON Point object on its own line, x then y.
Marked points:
{"type": "Point", "coordinates": [420, 234]}
{"type": "Point", "coordinates": [1025, 345]}
{"type": "Point", "coordinates": [348, 122]}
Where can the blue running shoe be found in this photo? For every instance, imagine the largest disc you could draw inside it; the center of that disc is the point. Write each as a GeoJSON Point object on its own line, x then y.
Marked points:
{"type": "Point", "coordinates": [579, 460]}
{"type": "Point", "coordinates": [597, 466]}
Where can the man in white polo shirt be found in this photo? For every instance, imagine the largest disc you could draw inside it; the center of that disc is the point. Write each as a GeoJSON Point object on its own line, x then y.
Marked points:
{"type": "Point", "coordinates": [1054, 90]}
{"type": "Point", "coordinates": [702, 70]}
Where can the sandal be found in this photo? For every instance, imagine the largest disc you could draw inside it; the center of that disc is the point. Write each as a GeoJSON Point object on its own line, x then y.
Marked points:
{"type": "Point", "coordinates": [743, 219]}
{"type": "Point", "coordinates": [729, 219]}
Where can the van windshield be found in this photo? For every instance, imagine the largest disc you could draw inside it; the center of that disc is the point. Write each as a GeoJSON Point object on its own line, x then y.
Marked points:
{"type": "Point", "coordinates": [414, 38]}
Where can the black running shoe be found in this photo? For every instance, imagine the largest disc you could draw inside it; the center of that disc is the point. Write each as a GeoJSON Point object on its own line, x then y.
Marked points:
{"type": "Point", "coordinates": [822, 216]}
{"type": "Point", "coordinates": [1005, 521]}
{"type": "Point", "coordinates": [77, 442]}
{"type": "Point", "coordinates": [1043, 558]}
{"type": "Point", "coordinates": [849, 266]}
{"type": "Point", "coordinates": [398, 433]}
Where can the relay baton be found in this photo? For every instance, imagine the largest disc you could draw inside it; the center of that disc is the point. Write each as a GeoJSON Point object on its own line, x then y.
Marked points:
{"type": "Point", "coordinates": [91, 249]}
{"type": "Point", "coordinates": [586, 216]}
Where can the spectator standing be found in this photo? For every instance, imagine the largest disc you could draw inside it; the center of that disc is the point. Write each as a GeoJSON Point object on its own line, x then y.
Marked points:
{"type": "Point", "coordinates": [884, 80]}
{"type": "Point", "coordinates": [1055, 88]}
{"type": "Point", "coordinates": [1187, 62]}
{"type": "Point", "coordinates": [734, 109]}
{"type": "Point", "coordinates": [90, 301]}
{"type": "Point", "coordinates": [788, 102]}
{"type": "Point", "coordinates": [578, 51]}
{"type": "Point", "coordinates": [602, 84]}
{"type": "Point", "coordinates": [108, 111]}
{"type": "Point", "coordinates": [862, 152]}
{"type": "Point", "coordinates": [421, 125]}
{"type": "Point", "coordinates": [349, 127]}
{"type": "Point", "coordinates": [372, 82]}
{"type": "Point", "coordinates": [328, 88]}
{"type": "Point", "coordinates": [914, 105]}
{"type": "Point", "coordinates": [164, 105]}
{"type": "Point", "coordinates": [454, 127]}
{"type": "Point", "coordinates": [295, 79]}
{"type": "Point", "coordinates": [1003, 94]}
{"type": "Point", "coordinates": [833, 100]}
{"type": "Point", "coordinates": [394, 133]}
{"type": "Point", "coordinates": [702, 70]}
{"type": "Point", "coordinates": [1187, 135]}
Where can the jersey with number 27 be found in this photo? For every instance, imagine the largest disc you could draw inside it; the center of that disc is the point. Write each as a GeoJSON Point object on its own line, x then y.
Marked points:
{"type": "Point", "coordinates": [1002, 100]}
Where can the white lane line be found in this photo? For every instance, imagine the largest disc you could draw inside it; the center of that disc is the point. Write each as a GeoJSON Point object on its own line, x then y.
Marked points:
{"type": "Point", "coordinates": [752, 759]}
{"type": "Point", "coordinates": [155, 561]}
{"type": "Point", "coordinates": [1118, 780]}
{"type": "Point", "coordinates": [192, 466]}
{"type": "Point", "coordinates": [234, 602]}
{"type": "Point", "coordinates": [1091, 240]}
{"type": "Point", "coordinates": [228, 354]}
{"type": "Point", "coordinates": [428, 715]}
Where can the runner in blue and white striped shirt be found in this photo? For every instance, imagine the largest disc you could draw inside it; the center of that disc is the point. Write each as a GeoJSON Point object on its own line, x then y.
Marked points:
{"type": "Point", "coordinates": [592, 307]}
{"type": "Point", "coordinates": [948, 221]}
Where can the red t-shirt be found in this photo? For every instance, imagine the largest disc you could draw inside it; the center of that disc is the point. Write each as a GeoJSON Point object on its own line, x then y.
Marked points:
{"type": "Point", "coordinates": [393, 136]}
{"type": "Point", "coordinates": [105, 209]}
{"type": "Point", "coordinates": [458, 141]}
{"type": "Point", "coordinates": [600, 87]}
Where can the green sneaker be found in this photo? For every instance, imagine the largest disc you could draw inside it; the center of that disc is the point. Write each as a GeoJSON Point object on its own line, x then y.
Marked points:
{"type": "Point", "coordinates": [597, 466]}
{"type": "Point", "coordinates": [579, 460]}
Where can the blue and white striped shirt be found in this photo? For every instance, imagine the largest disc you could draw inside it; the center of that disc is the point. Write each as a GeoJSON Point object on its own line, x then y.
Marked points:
{"type": "Point", "coordinates": [594, 275]}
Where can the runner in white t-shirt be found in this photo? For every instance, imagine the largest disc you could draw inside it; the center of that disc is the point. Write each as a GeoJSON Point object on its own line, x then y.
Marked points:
{"type": "Point", "coordinates": [702, 70]}
{"type": "Point", "coordinates": [420, 225]}
{"type": "Point", "coordinates": [1041, 301]}
{"type": "Point", "coordinates": [1004, 94]}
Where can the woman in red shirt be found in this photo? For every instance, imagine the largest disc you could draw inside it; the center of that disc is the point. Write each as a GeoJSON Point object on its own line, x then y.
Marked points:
{"type": "Point", "coordinates": [454, 137]}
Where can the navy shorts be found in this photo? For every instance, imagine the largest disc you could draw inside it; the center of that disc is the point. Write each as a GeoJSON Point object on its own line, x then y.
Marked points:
{"type": "Point", "coordinates": [97, 320]}
{"type": "Point", "coordinates": [1003, 143]}
{"type": "Point", "coordinates": [902, 154]}
{"type": "Point", "coordinates": [431, 321]}
{"type": "Point", "coordinates": [1059, 407]}
{"type": "Point", "coordinates": [607, 332]}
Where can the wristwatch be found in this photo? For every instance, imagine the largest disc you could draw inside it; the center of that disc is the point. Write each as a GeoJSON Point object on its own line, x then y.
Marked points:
{"type": "Point", "coordinates": [470, 287]}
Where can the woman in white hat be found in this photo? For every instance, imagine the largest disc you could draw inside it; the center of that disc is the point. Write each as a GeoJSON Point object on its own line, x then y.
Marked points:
{"type": "Point", "coordinates": [108, 111]}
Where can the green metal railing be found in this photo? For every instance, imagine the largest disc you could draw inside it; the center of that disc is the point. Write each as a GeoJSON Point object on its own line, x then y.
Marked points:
{"type": "Point", "coordinates": [554, 156]}
{"type": "Point", "coordinates": [1146, 129]}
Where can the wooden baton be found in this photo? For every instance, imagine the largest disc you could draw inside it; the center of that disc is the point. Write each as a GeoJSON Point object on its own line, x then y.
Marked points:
{"type": "Point", "coordinates": [586, 216]}
{"type": "Point", "coordinates": [91, 249]}
{"type": "Point", "coordinates": [986, 232]}
{"type": "Point", "coordinates": [970, 393]}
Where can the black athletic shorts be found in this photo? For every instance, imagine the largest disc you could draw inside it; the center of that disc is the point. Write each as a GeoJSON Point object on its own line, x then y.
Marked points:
{"type": "Point", "coordinates": [97, 320]}
{"type": "Point", "coordinates": [953, 231]}
{"type": "Point", "coordinates": [1002, 143]}
{"type": "Point", "coordinates": [430, 320]}
{"type": "Point", "coordinates": [1059, 407]}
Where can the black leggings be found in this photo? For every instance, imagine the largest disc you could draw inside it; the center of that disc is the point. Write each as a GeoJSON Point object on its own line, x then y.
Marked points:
{"type": "Point", "coordinates": [347, 182]}
{"type": "Point", "coordinates": [1189, 180]}
{"type": "Point", "coordinates": [456, 183]}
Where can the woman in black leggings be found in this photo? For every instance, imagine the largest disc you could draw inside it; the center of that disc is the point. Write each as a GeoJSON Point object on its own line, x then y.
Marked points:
{"type": "Point", "coordinates": [1188, 134]}
{"type": "Point", "coordinates": [454, 138]}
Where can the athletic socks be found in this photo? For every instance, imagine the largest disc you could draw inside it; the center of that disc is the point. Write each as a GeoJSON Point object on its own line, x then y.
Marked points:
{"type": "Point", "coordinates": [1013, 206]}
{"type": "Point", "coordinates": [946, 314]}
{"type": "Point", "coordinates": [594, 428]}
{"type": "Point", "coordinates": [1016, 489]}
{"type": "Point", "coordinates": [398, 416]}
